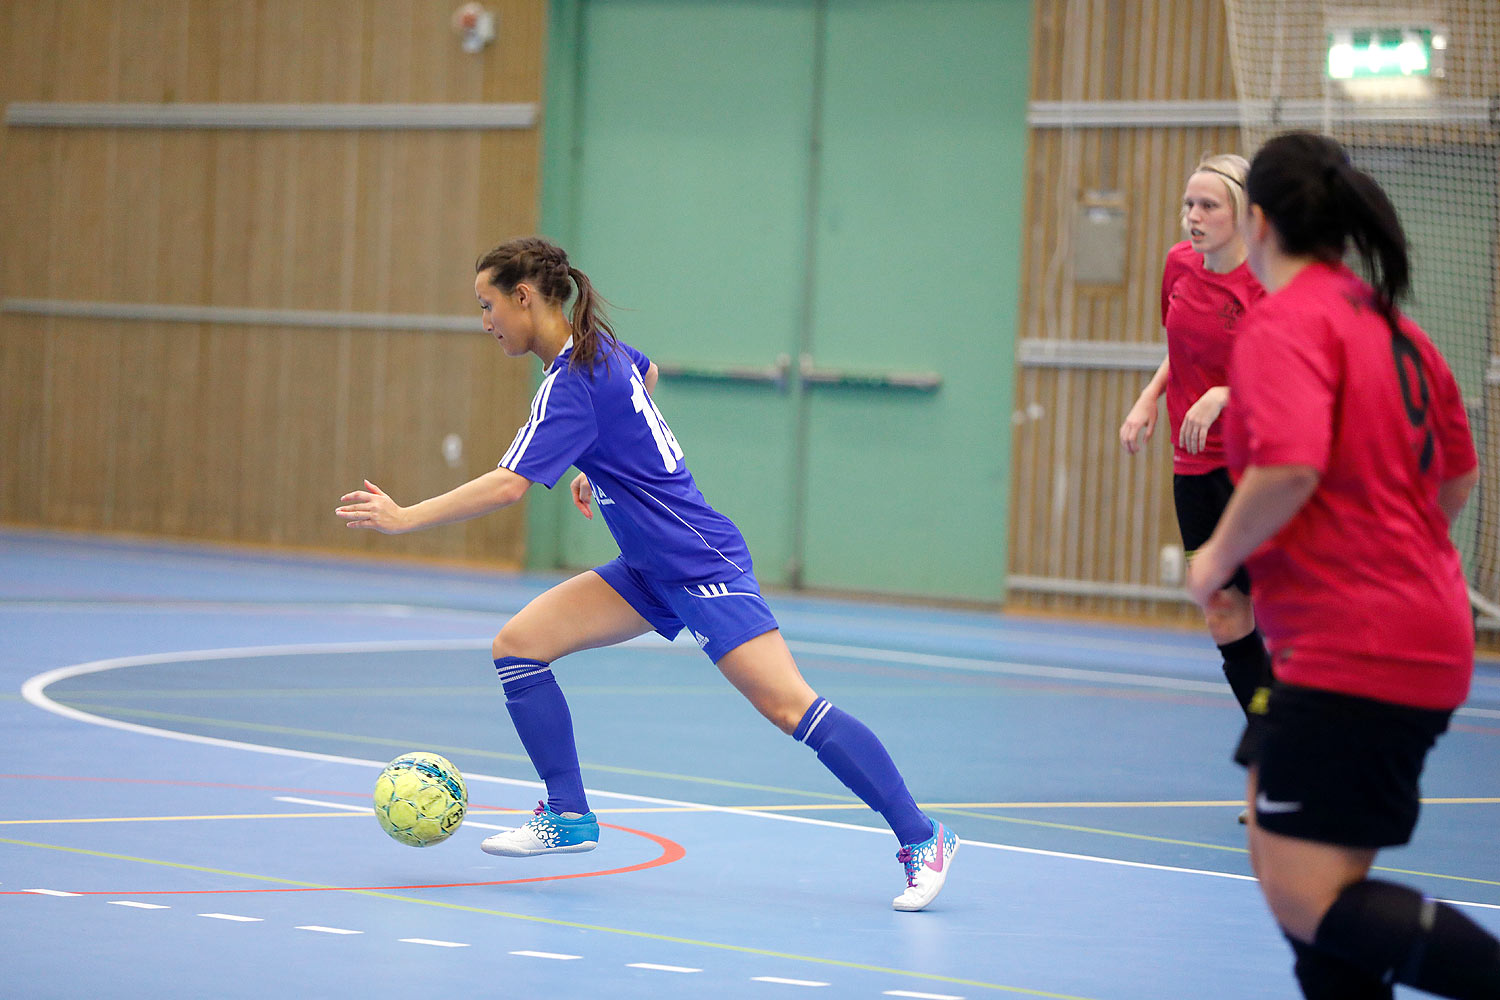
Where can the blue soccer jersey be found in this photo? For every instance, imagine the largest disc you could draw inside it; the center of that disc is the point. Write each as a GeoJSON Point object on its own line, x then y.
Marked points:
{"type": "Point", "coordinates": [602, 421]}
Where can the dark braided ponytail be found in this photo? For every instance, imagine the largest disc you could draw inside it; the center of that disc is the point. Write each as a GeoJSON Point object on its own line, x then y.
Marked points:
{"type": "Point", "coordinates": [544, 265]}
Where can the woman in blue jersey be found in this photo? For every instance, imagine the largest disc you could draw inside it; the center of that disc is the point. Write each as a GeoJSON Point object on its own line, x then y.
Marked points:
{"type": "Point", "coordinates": [681, 564]}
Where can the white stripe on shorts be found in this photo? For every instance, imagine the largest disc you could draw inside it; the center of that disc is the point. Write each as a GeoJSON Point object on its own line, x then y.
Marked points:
{"type": "Point", "coordinates": [711, 590]}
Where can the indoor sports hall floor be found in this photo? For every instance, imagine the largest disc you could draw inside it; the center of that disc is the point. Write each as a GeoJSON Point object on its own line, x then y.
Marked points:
{"type": "Point", "coordinates": [191, 736]}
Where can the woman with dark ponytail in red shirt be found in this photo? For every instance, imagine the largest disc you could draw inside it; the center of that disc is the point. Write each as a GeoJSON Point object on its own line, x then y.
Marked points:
{"type": "Point", "coordinates": [1355, 456]}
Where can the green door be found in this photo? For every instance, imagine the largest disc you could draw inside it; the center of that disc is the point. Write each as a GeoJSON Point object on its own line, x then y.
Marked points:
{"type": "Point", "coordinates": [918, 223]}
{"type": "Point", "coordinates": [691, 164]}
{"type": "Point", "coordinates": [805, 212]}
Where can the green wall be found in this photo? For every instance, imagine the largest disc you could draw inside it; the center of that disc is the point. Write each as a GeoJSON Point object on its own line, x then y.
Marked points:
{"type": "Point", "coordinates": [840, 180]}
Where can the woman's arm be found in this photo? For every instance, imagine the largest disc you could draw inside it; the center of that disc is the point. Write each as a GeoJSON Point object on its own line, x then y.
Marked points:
{"type": "Point", "coordinates": [1142, 416]}
{"type": "Point", "coordinates": [371, 508]}
{"type": "Point", "coordinates": [1454, 493]}
{"type": "Point", "coordinates": [1264, 500]}
{"type": "Point", "coordinates": [1200, 417]}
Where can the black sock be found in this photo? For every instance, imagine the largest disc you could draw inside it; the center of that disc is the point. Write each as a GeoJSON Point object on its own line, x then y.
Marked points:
{"type": "Point", "coordinates": [1326, 977]}
{"type": "Point", "coordinates": [1397, 934]}
{"type": "Point", "coordinates": [1247, 667]}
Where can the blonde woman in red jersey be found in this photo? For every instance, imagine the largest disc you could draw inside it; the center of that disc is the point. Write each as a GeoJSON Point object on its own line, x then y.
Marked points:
{"type": "Point", "coordinates": [1205, 289]}
{"type": "Point", "coordinates": [1356, 457]}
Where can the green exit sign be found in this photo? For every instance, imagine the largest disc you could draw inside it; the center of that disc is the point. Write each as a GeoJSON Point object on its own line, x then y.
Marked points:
{"type": "Point", "coordinates": [1382, 53]}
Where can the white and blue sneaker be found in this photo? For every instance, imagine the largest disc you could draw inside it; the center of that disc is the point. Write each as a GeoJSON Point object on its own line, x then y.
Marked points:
{"type": "Point", "coordinates": [546, 833]}
{"type": "Point", "coordinates": [926, 867]}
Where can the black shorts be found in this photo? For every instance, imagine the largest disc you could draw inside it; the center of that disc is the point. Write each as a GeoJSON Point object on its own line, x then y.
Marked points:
{"type": "Point", "coordinates": [1339, 769]}
{"type": "Point", "coordinates": [1200, 501]}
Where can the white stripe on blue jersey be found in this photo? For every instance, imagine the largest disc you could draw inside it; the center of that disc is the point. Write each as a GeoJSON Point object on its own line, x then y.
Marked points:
{"type": "Point", "coordinates": [601, 419]}
{"type": "Point", "coordinates": [694, 530]}
{"type": "Point", "coordinates": [526, 433]}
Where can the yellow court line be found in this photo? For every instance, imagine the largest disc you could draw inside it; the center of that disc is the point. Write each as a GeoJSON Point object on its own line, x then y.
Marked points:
{"type": "Point", "coordinates": [1141, 805]}
{"type": "Point", "coordinates": [741, 949]}
{"type": "Point", "coordinates": [451, 752]}
{"type": "Point", "coordinates": [952, 807]}
{"type": "Point", "coordinates": [824, 806]}
{"type": "Point", "coordinates": [860, 807]}
{"type": "Point", "coordinates": [794, 807]}
{"type": "Point", "coordinates": [850, 803]}
{"type": "Point", "coordinates": [572, 925]}
{"type": "Point", "coordinates": [180, 819]}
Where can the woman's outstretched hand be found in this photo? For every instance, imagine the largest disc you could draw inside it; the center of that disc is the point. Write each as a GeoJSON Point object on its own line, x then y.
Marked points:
{"type": "Point", "coordinates": [370, 508]}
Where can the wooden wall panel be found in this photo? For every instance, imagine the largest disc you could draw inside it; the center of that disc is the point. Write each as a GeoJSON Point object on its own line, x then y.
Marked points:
{"type": "Point", "coordinates": [1130, 50]}
{"type": "Point", "coordinates": [251, 433]}
{"type": "Point", "coordinates": [1083, 510]}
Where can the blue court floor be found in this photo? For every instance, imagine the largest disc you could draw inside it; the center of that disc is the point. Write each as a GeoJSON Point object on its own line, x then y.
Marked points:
{"type": "Point", "coordinates": [191, 735]}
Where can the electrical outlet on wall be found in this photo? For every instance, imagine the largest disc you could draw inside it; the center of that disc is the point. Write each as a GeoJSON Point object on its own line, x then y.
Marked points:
{"type": "Point", "coordinates": [1171, 566]}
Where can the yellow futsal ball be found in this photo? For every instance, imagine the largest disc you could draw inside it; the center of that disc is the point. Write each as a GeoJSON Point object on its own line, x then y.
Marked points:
{"type": "Point", "coordinates": [420, 799]}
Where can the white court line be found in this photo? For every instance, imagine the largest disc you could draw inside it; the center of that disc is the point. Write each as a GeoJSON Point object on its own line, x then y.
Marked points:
{"type": "Point", "coordinates": [435, 944]}
{"type": "Point", "coordinates": [327, 930]}
{"type": "Point", "coordinates": [345, 806]}
{"type": "Point", "coordinates": [232, 916]}
{"type": "Point", "coordinates": [920, 996]}
{"type": "Point", "coordinates": [659, 968]}
{"type": "Point", "coordinates": [138, 906]}
{"type": "Point", "coordinates": [360, 810]}
{"type": "Point", "coordinates": [34, 691]}
{"type": "Point", "coordinates": [787, 982]}
{"type": "Point", "coordinates": [547, 954]}
{"type": "Point", "coordinates": [50, 892]}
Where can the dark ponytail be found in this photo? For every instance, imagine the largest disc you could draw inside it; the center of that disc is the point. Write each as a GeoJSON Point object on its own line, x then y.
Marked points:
{"type": "Point", "coordinates": [544, 265]}
{"type": "Point", "coordinates": [590, 324]}
{"type": "Point", "coordinates": [1320, 203]}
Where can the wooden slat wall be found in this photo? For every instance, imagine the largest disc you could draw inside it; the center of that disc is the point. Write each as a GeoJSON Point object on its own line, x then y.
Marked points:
{"type": "Point", "coordinates": [1083, 509]}
{"type": "Point", "coordinates": [252, 433]}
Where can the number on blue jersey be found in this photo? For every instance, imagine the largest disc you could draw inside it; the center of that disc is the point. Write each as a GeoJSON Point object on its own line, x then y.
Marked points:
{"type": "Point", "coordinates": [671, 451]}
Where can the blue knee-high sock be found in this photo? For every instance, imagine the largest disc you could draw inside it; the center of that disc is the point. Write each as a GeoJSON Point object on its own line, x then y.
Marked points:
{"type": "Point", "coordinates": [858, 759]}
{"type": "Point", "coordinates": [545, 725]}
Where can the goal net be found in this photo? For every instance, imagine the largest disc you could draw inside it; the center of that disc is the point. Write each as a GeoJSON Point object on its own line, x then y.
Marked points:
{"type": "Point", "coordinates": [1412, 90]}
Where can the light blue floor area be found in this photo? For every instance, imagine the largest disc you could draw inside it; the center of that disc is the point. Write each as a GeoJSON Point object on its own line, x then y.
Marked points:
{"type": "Point", "coordinates": [192, 734]}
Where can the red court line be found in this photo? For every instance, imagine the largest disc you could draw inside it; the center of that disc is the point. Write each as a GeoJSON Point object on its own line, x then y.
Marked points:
{"type": "Point", "coordinates": [186, 783]}
{"type": "Point", "coordinates": [670, 850]}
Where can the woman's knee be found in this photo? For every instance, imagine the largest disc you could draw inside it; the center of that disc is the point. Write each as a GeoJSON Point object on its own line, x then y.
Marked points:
{"type": "Point", "coordinates": [512, 640]}
{"type": "Point", "coordinates": [1298, 908]}
{"type": "Point", "coordinates": [1230, 620]}
{"type": "Point", "coordinates": [1301, 879]}
{"type": "Point", "coordinates": [786, 715]}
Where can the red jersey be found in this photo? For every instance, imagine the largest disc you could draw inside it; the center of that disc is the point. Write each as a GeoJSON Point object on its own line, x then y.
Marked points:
{"type": "Point", "coordinates": [1199, 308]}
{"type": "Point", "coordinates": [1362, 591]}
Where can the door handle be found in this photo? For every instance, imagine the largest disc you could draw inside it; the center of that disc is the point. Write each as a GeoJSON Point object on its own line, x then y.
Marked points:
{"type": "Point", "coordinates": [775, 374]}
{"type": "Point", "coordinates": [865, 379]}
{"type": "Point", "coordinates": [807, 370]}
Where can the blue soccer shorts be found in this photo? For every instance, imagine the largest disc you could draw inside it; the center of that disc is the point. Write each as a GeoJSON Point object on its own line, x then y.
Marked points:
{"type": "Point", "coordinates": [720, 615]}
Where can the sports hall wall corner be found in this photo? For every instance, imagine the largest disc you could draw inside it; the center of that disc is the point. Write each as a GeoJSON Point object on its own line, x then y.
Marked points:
{"type": "Point", "coordinates": [899, 262]}
{"type": "Point", "coordinates": [810, 216]}
{"type": "Point", "coordinates": [239, 247]}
